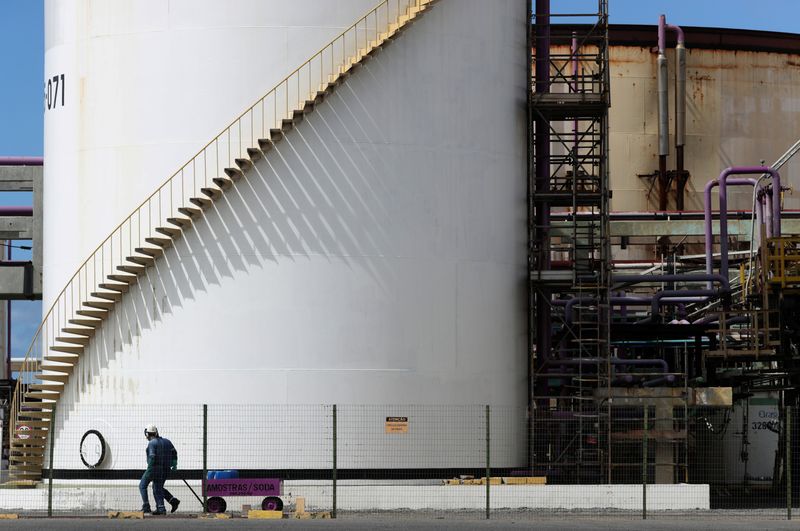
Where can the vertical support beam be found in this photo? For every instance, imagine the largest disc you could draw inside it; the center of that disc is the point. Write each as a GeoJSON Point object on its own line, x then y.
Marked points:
{"type": "Point", "coordinates": [788, 462]}
{"type": "Point", "coordinates": [529, 360]}
{"type": "Point", "coordinates": [205, 457]}
{"type": "Point", "coordinates": [333, 471]}
{"type": "Point", "coordinates": [665, 454]}
{"type": "Point", "coordinates": [50, 480]}
{"type": "Point", "coordinates": [488, 461]}
{"type": "Point", "coordinates": [37, 242]}
{"type": "Point", "coordinates": [644, 465]}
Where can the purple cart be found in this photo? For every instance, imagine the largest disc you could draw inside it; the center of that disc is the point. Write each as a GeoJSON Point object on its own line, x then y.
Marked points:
{"type": "Point", "coordinates": [270, 488]}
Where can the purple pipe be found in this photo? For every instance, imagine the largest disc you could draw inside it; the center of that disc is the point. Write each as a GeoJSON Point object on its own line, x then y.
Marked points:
{"type": "Point", "coordinates": [21, 161]}
{"type": "Point", "coordinates": [23, 211]}
{"type": "Point", "coordinates": [673, 296]}
{"type": "Point", "coordinates": [662, 33]}
{"type": "Point", "coordinates": [722, 182]}
{"type": "Point", "coordinates": [708, 217]}
{"type": "Point", "coordinates": [656, 277]}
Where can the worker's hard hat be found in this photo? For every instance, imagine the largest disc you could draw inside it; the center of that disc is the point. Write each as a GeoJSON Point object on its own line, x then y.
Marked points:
{"type": "Point", "coordinates": [150, 430]}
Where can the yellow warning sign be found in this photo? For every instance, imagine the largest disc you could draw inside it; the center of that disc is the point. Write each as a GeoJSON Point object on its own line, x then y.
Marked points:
{"type": "Point", "coordinates": [396, 424]}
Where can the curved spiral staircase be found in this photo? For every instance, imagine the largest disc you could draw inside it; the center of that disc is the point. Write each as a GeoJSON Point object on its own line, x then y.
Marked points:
{"type": "Point", "coordinates": [136, 243]}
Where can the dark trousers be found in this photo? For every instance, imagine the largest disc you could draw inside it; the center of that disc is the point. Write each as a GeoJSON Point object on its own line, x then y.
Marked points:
{"type": "Point", "coordinates": [159, 492]}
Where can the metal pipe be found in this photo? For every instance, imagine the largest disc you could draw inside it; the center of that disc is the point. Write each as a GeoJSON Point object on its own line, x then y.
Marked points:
{"type": "Point", "coordinates": [21, 161]}
{"type": "Point", "coordinates": [723, 182]}
{"type": "Point", "coordinates": [663, 113]}
{"type": "Point", "coordinates": [680, 114]}
{"type": "Point", "coordinates": [685, 277]}
{"type": "Point", "coordinates": [723, 208]}
{"type": "Point", "coordinates": [21, 211]}
{"type": "Point", "coordinates": [674, 296]}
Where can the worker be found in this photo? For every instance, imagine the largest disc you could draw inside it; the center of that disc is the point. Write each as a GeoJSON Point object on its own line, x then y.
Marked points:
{"type": "Point", "coordinates": [161, 458]}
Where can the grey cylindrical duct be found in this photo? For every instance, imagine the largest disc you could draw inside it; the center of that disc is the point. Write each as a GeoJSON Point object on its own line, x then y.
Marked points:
{"type": "Point", "coordinates": [680, 95]}
{"type": "Point", "coordinates": [663, 91]}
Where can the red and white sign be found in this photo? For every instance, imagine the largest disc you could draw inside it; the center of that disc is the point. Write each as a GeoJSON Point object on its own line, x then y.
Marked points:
{"type": "Point", "coordinates": [22, 427]}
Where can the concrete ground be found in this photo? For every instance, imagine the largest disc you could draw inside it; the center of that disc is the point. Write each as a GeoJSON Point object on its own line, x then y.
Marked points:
{"type": "Point", "coordinates": [396, 522]}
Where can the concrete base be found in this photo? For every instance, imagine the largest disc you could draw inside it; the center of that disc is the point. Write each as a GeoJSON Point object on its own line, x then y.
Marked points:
{"type": "Point", "coordinates": [98, 496]}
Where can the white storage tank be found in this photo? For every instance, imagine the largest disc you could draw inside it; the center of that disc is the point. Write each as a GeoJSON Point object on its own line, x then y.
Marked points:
{"type": "Point", "coordinates": [376, 256]}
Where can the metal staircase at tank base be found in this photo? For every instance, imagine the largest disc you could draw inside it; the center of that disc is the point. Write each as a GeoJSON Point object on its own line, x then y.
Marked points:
{"type": "Point", "coordinates": [137, 243]}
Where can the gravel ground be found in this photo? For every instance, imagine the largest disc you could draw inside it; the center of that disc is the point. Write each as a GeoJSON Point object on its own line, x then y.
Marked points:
{"type": "Point", "coordinates": [729, 520]}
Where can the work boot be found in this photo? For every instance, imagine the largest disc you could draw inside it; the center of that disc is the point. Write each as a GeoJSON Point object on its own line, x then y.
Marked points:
{"type": "Point", "coordinates": [146, 509]}
{"type": "Point", "coordinates": [174, 502]}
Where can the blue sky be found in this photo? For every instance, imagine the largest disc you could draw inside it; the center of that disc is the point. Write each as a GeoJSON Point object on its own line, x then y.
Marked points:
{"type": "Point", "coordinates": [22, 64]}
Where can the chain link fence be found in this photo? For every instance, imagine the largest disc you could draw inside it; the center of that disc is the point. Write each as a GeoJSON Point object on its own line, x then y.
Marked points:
{"type": "Point", "coordinates": [467, 462]}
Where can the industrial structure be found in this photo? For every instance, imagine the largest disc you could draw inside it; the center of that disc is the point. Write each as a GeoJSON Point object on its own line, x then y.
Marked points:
{"type": "Point", "coordinates": [347, 242]}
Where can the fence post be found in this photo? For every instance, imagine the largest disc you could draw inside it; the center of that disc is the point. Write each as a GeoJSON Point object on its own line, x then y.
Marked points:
{"type": "Point", "coordinates": [788, 462]}
{"type": "Point", "coordinates": [333, 472]}
{"type": "Point", "coordinates": [205, 457]}
{"type": "Point", "coordinates": [50, 481]}
{"type": "Point", "coordinates": [488, 466]}
{"type": "Point", "coordinates": [644, 465]}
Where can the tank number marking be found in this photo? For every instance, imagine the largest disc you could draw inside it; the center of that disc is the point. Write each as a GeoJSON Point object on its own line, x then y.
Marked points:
{"type": "Point", "coordinates": [52, 92]}
{"type": "Point", "coordinates": [771, 425]}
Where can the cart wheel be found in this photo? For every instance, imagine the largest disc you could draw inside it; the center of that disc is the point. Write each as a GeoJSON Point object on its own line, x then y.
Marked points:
{"type": "Point", "coordinates": [272, 503]}
{"type": "Point", "coordinates": [215, 504]}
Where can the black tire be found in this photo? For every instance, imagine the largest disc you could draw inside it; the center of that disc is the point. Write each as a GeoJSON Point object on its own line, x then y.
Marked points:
{"type": "Point", "coordinates": [215, 504]}
{"type": "Point", "coordinates": [272, 503]}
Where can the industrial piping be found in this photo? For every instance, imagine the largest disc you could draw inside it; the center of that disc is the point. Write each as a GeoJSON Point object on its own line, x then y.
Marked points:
{"type": "Point", "coordinates": [21, 161]}
{"type": "Point", "coordinates": [722, 182]}
{"type": "Point", "coordinates": [663, 112]}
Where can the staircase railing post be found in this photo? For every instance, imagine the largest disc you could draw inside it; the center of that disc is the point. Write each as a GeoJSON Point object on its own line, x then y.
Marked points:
{"type": "Point", "coordinates": [50, 467]}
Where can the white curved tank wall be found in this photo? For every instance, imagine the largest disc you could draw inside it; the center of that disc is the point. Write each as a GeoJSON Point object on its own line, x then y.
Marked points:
{"type": "Point", "coordinates": [377, 256]}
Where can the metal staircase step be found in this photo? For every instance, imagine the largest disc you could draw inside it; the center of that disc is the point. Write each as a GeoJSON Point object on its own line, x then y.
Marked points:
{"type": "Point", "coordinates": [36, 414]}
{"type": "Point", "coordinates": [32, 442]}
{"type": "Point", "coordinates": [84, 333]}
{"type": "Point", "coordinates": [276, 135]}
{"type": "Point", "coordinates": [297, 116]}
{"type": "Point", "coordinates": [129, 269]}
{"type": "Point", "coordinates": [33, 459]}
{"type": "Point", "coordinates": [95, 314]}
{"type": "Point", "coordinates": [159, 242]}
{"type": "Point", "coordinates": [190, 212]}
{"type": "Point", "coordinates": [152, 252]}
{"type": "Point", "coordinates": [74, 350]}
{"type": "Point", "coordinates": [67, 358]}
{"type": "Point", "coordinates": [308, 106]}
{"type": "Point", "coordinates": [61, 368]}
{"type": "Point", "coordinates": [64, 378]}
{"type": "Point", "coordinates": [46, 387]}
{"type": "Point", "coordinates": [244, 164]}
{"type": "Point", "coordinates": [200, 202]}
{"type": "Point", "coordinates": [100, 305]}
{"type": "Point", "coordinates": [25, 468]}
{"type": "Point", "coordinates": [180, 222]}
{"type": "Point", "coordinates": [35, 423]}
{"type": "Point", "coordinates": [224, 183]}
{"type": "Point", "coordinates": [265, 144]}
{"type": "Point", "coordinates": [145, 261]}
{"type": "Point", "coordinates": [107, 295]}
{"type": "Point", "coordinates": [172, 232]}
{"type": "Point", "coordinates": [90, 323]}
{"type": "Point", "coordinates": [212, 193]}
{"type": "Point", "coordinates": [254, 153]}
{"type": "Point", "coordinates": [287, 124]}
{"type": "Point", "coordinates": [234, 173]}
{"type": "Point", "coordinates": [42, 396]}
{"type": "Point", "coordinates": [120, 280]}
